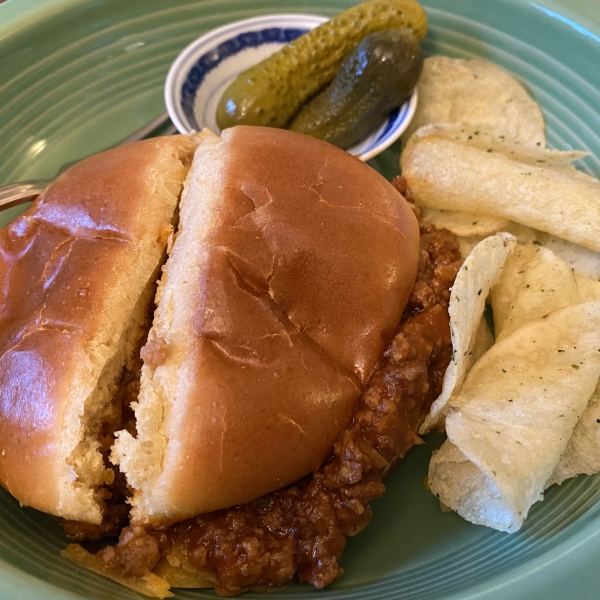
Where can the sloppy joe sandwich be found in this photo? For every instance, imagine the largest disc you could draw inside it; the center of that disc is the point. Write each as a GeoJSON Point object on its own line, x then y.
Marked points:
{"type": "Point", "coordinates": [299, 337]}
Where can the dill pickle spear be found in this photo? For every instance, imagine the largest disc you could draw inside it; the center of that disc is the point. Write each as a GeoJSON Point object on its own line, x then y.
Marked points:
{"type": "Point", "coordinates": [377, 76]}
{"type": "Point", "coordinates": [273, 91]}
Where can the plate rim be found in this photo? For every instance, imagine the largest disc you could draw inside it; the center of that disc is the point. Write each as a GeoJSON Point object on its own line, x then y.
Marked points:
{"type": "Point", "coordinates": [586, 543]}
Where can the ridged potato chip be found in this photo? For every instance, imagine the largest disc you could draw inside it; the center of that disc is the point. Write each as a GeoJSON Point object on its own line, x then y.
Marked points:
{"type": "Point", "coordinates": [466, 244]}
{"type": "Point", "coordinates": [484, 340]}
{"type": "Point", "coordinates": [546, 284]}
{"type": "Point", "coordinates": [589, 289]}
{"type": "Point", "coordinates": [583, 450]}
{"type": "Point", "coordinates": [505, 292]}
{"type": "Point", "coordinates": [544, 193]}
{"type": "Point", "coordinates": [489, 139]}
{"type": "Point", "coordinates": [533, 283]}
{"type": "Point", "coordinates": [517, 298]}
{"type": "Point", "coordinates": [582, 455]}
{"type": "Point", "coordinates": [480, 271]}
{"type": "Point", "coordinates": [510, 423]}
{"type": "Point", "coordinates": [464, 224]}
{"type": "Point", "coordinates": [476, 91]}
{"type": "Point", "coordinates": [583, 261]}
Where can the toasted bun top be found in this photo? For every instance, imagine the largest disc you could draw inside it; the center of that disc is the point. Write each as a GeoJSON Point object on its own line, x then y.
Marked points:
{"type": "Point", "coordinates": [74, 270]}
{"type": "Point", "coordinates": [289, 274]}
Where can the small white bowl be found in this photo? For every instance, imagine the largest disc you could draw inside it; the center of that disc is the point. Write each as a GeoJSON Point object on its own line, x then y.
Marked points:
{"type": "Point", "coordinates": [204, 69]}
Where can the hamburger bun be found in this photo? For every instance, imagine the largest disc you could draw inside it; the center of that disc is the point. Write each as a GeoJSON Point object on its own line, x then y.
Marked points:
{"type": "Point", "coordinates": [78, 272]}
{"type": "Point", "coordinates": [287, 279]}
{"type": "Point", "coordinates": [285, 282]}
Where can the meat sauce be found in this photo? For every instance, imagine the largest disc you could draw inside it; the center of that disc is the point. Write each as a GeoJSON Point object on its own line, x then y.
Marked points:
{"type": "Point", "coordinates": [302, 528]}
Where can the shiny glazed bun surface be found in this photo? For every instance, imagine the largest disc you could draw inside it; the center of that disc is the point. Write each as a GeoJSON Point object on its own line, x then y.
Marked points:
{"type": "Point", "coordinates": [291, 268]}
{"type": "Point", "coordinates": [77, 274]}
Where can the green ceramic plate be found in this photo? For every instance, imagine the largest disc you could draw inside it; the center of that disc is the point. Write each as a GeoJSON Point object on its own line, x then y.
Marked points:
{"type": "Point", "coordinates": [78, 75]}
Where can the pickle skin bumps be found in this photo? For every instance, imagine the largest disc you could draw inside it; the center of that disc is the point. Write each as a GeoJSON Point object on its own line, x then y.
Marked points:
{"type": "Point", "coordinates": [376, 77]}
{"type": "Point", "coordinates": [273, 91]}
{"type": "Point", "coordinates": [290, 270]}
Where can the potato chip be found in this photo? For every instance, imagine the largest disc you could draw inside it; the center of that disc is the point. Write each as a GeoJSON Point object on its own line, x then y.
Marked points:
{"type": "Point", "coordinates": [463, 223]}
{"type": "Point", "coordinates": [525, 236]}
{"type": "Point", "coordinates": [582, 260]}
{"type": "Point", "coordinates": [582, 454]}
{"type": "Point", "coordinates": [514, 415]}
{"type": "Point", "coordinates": [470, 492]}
{"type": "Point", "coordinates": [484, 340]}
{"type": "Point", "coordinates": [505, 292]}
{"type": "Point", "coordinates": [466, 244]}
{"type": "Point", "coordinates": [589, 289]}
{"type": "Point", "coordinates": [448, 174]}
{"type": "Point", "coordinates": [552, 284]}
{"type": "Point", "coordinates": [476, 91]}
{"type": "Point", "coordinates": [480, 271]}
{"type": "Point", "coordinates": [489, 139]}
{"type": "Point", "coordinates": [546, 284]}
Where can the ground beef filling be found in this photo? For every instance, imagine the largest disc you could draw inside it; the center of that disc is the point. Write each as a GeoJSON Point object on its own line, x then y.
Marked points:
{"type": "Point", "coordinates": [303, 528]}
